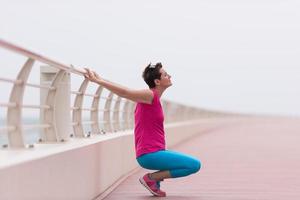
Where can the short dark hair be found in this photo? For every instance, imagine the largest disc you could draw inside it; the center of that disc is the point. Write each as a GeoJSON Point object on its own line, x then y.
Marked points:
{"type": "Point", "coordinates": [151, 73]}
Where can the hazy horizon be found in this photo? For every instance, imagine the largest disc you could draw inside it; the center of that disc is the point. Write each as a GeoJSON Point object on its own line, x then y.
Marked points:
{"type": "Point", "coordinates": [239, 56]}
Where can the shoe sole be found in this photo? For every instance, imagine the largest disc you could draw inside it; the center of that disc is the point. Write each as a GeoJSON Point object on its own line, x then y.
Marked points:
{"type": "Point", "coordinates": [142, 181]}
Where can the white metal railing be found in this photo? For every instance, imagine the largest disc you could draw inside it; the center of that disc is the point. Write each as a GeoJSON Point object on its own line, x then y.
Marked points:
{"type": "Point", "coordinates": [116, 118]}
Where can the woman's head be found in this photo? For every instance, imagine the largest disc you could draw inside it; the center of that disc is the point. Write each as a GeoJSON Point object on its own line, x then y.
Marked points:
{"type": "Point", "coordinates": [155, 75]}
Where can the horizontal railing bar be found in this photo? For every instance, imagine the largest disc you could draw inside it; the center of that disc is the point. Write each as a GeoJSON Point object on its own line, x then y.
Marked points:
{"type": "Point", "coordinates": [75, 92]}
{"type": "Point", "coordinates": [85, 94]}
{"type": "Point", "coordinates": [91, 95]}
{"type": "Point", "coordinates": [36, 106]}
{"type": "Point", "coordinates": [107, 98]}
{"type": "Point", "coordinates": [88, 122]}
{"type": "Point", "coordinates": [10, 105]}
{"type": "Point", "coordinates": [113, 99]}
{"type": "Point", "coordinates": [103, 110]}
{"type": "Point", "coordinates": [91, 122]}
{"type": "Point", "coordinates": [38, 57]}
{"type": "Point", "coordinates": [15, 81]}
{"type": "Point", "coordinates": [103, 122]}
{"type": "Point", "coordinates": [40, 86]}
{"type": "Point", "coordinates": [7, 128]}
{"type": "Point", "coordinates": [83, 123]}
{"type": "Point", "coordinates": [90, 109]}
{"type": "Point", "coordinates": [33, 126]}
{"type": "Point", "coordinates": [114, 121]}
{"type": "Point", "coordinates": [95, 96]}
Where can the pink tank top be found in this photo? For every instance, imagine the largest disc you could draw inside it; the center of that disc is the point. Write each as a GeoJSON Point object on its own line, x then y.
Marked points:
{"type": "Point", "coordinates": [149, 127]}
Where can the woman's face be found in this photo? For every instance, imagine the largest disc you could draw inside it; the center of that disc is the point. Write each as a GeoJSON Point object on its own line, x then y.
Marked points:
{"type": "Point", "coordinates": [165, 78]}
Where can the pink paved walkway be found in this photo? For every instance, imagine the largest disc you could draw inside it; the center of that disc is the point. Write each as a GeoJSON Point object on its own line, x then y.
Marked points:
{"type": "Point", "coordinates": [246, 159]}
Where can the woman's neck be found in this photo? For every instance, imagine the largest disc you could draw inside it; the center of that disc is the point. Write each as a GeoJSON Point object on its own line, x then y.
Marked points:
{"type": "Point", "coordinates": [159, 90]}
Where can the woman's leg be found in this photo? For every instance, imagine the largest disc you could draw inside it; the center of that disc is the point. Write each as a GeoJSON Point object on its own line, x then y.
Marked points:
{"type": "Point", "coordinates": [170, 164]}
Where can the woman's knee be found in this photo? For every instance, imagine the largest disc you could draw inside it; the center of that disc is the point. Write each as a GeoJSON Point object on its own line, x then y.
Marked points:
{"type": "Point", "coordinates": [195, 166]}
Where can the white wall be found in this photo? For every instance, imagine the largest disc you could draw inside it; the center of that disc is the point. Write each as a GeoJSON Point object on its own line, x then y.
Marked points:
{"type": "Point", "coordinates": [82, 168]}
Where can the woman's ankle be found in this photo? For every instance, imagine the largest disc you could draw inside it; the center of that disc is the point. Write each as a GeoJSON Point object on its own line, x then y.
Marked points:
{"type": "Point", "coordinates": [150, 176]}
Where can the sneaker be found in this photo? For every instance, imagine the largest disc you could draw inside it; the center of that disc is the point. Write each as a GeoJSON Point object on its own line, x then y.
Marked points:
{"type": "Point", "coordinates": [152, 186]}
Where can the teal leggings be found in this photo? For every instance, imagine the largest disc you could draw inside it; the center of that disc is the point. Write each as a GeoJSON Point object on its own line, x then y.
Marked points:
{"type": "Point", "coordinates": [177, 163]}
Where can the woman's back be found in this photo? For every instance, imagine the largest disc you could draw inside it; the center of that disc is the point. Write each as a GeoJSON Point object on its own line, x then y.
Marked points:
{"type": "Point", "coordinates": [149, 128]}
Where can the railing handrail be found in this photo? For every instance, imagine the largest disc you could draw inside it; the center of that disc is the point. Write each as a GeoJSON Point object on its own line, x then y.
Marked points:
{"type": "Point", "coordinates": [30, 54]}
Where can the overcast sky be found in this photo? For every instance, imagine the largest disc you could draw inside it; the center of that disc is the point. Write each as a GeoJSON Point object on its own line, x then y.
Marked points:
{"type": "Point", "coordinates": [235, 55]}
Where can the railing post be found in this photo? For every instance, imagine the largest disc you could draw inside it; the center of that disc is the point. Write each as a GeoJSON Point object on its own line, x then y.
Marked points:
{"type": "Point", "coordinates": [125, 115]}
{"type": "Point", "coordinates": [131, 114]}
{"type": "Point", "coordinates": [107, 113]}
{"type": "Point", "coordinates": [14, 114]}
{"type": "Point", "coordinates": [59, 101]}
{"type": "Point", "coordinates": [116, 115]}
{"type": "Point", "coordinates": [95, 112]}
{"type": "Point", "coordinates": [77, 113]}
{"type": "Point", "coordinates": [166, 110]}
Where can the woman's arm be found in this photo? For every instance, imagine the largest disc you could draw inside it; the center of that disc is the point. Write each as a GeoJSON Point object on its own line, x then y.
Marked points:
{"type": "Point", "coordinates": [144, 96]}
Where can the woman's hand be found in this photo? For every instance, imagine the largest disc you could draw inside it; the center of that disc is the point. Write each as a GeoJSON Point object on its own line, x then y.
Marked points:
{"type": "Point", "coordinates": [92, 76]}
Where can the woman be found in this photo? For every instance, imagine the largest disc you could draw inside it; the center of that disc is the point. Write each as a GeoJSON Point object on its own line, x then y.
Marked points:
{"type": "Point", "coordinates": [149, 133]}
